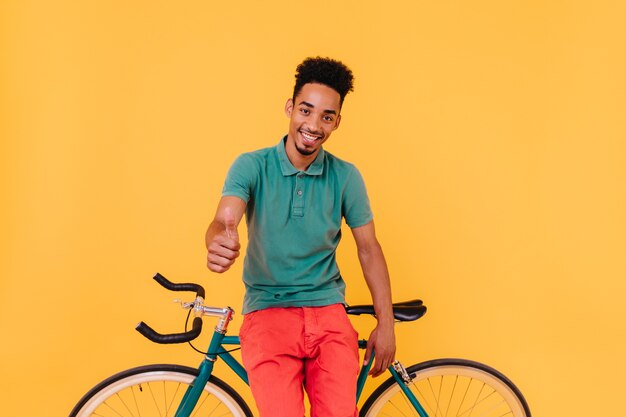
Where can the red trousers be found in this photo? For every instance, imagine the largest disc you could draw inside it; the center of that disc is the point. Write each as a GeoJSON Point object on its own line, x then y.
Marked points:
{"type": "Point", "coordinates": [286, 349]}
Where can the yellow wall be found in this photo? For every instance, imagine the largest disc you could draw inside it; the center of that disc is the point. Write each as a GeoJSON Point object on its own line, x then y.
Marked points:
{"type": "Point", "coordinates": [491, 135]}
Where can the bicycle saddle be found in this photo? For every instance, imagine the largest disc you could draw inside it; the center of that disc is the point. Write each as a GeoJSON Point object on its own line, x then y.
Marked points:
{"type": "Point", "coordinates": [403, 311]}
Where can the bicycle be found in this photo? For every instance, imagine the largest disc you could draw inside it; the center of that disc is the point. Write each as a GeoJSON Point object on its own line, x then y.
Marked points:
{"type": "Point", "coordinates": [441, 387]}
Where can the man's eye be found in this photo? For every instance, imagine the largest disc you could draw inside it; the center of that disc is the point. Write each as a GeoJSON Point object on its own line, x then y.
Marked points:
{"type": "Point", "coordinates": [304, 110]}
{"type": "Point", "coordinates": [328, 118]}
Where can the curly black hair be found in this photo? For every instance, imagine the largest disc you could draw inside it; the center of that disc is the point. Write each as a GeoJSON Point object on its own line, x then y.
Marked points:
{"type": "Point", "coordinates": [327, 71]}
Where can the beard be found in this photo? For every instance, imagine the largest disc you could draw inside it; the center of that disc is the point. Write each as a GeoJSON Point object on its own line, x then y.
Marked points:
{"type": "Point", "coordinates": [304, 151]}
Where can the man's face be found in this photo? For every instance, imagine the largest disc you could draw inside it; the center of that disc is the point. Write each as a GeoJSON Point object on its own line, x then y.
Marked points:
{"type": "Point", "coordinates": [314, 114]}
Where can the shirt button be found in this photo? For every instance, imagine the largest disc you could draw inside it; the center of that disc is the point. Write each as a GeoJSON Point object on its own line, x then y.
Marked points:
{"type": "Point", "coordinates": [299, 192]}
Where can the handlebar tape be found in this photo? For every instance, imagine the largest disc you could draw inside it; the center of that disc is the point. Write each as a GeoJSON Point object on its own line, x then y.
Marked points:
{"type": "Point", "coordinates": [179, 287]}
{"type": "Point", "coordinates": [152, 335]}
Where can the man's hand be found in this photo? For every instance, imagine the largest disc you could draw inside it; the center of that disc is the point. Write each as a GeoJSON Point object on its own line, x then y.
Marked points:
{"type": "Point", "coordinates": [223, 247]}
{"type": "Point", "coordinates": [383, 342]}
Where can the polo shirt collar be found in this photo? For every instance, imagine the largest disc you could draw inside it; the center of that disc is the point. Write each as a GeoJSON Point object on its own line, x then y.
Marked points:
{"type": "Point", "coordinates": [316, 168]}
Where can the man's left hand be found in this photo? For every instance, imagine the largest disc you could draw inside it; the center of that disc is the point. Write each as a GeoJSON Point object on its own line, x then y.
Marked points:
{"type": "Point", "coordinates": [383, 342]}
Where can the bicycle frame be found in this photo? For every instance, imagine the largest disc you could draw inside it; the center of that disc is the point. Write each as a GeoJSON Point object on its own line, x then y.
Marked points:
{"type": "Point", "coordinates": [434, 382]}
{"type": "Point", "coordinates": [216, 348]}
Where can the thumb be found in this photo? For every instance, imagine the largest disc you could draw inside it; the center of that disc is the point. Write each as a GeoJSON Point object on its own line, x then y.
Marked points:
{"type": "Point", "coordinates": [231, 224]}
{"type": "Point", "coordinates": [369, 354]}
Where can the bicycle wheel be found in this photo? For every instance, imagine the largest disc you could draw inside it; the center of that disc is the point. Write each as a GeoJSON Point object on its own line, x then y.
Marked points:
{"type": "Point", "coordinates": [156, 390]}
{"type": "Point", "coordinates": [450, 388]}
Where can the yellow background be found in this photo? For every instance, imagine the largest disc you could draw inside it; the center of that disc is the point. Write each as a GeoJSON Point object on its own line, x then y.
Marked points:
{"type": "Point", "coordinates": [491, 136]}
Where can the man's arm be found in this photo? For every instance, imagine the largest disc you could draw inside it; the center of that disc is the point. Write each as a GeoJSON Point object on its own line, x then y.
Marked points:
{"type": "Point", "coordinates": [382, 339]}
{"type": "Point", "coordinates": [222, 238]}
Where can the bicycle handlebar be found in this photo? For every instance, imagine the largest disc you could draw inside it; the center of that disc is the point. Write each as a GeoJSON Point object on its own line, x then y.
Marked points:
{"type": "Point", "coordinates": [179, 287]}
{"type": "Point", "coordinates": [404, 311]}
{"type": "Point", "coordinates": [156, 337]}
{"type": "Point", "coordinates": [152, 335]}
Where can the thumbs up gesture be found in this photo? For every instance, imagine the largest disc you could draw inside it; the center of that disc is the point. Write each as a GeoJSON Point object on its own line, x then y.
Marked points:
{"type": "Point", "coordinates": [231, 224]}
{"type": "Point", "coordinates": [222, 241]}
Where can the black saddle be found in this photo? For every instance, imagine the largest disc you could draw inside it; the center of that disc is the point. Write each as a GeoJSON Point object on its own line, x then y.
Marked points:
{"type": "Point", "coordinates": [404, 311]}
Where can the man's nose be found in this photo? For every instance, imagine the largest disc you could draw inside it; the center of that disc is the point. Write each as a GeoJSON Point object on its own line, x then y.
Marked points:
{"type": "Point", "coordinates": [314, 125]}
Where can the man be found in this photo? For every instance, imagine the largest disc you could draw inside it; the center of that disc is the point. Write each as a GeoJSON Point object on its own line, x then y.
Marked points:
{"type": "Point", "coordinates": [295, 331]}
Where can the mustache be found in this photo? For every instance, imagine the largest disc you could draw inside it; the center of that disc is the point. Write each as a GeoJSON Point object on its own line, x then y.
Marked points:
{"type": "Point", "coordinates": [312, 132]}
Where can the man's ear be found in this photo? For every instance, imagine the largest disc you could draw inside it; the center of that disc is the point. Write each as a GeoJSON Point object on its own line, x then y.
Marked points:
{"type": "Point", "coordinates": [289, 107]}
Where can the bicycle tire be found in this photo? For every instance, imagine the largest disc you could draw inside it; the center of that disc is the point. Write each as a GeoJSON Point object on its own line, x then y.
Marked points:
{"type": "Point", "coordinates": [450, 387]}
{"type": "Point", "coordinates": [156, 390]}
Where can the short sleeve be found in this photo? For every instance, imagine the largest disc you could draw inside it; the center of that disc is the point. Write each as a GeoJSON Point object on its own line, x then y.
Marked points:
{"type": "Point", "coordinates": [356, 205]}
{"type": "Point", "coordinates": [241, 178]}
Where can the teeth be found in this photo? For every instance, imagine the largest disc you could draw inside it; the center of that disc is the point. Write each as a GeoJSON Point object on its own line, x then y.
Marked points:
{"type": "Point", "coordinates": [308, 136]}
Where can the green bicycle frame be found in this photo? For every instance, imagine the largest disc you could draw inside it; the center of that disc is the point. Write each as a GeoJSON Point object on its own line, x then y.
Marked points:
{"type": "Point", "coordinates": [206, 367]}
{"type": "Point", "coordinates": [216, 348]}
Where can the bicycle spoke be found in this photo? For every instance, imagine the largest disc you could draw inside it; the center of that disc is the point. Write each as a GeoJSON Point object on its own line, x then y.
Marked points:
{"type": "Point", "coordinates": [112, 409]}
{"type": "Point", "coordinates": [169, 407]}
{"type": "Point", "coordinates": [212, 411]}
{"type": "Point", "coordinates": [408, 403]}
{"type": "Point", "coordinates": [165, 400]}
{"type": "Point", "coordinates": [477, 401]}
{"type": "Point", "coordinates": [456, 379]}
{"type": "Point", "coordinates": [154, 399]}
{"type": "Point", "coordinates": [439, 394]}
{"type": "Point", "coordinates": [124, 404]}
{"type": "Point", "coordinates": [463, 399]}
{"type": "Point", "coordinates": [225, 414]}
{"type": "Point", "coordinates": [435, 396]}
{"type": "Point", "coordinates": [485, 413]}
{"type": "Point", "coordinates": [199, 406]}
{"type": "Point", "coordinates": [425, 401]}
{"type": "Point", "coordinates": [132, 391]}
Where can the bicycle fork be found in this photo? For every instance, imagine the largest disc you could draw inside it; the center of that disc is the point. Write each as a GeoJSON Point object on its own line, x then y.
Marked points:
{"type": "Point", "coordinates": [399, 373]}
{"type": "Point", "coordinates": [194, 391]}
{"type": "Point", "coordinates": [403, 379]}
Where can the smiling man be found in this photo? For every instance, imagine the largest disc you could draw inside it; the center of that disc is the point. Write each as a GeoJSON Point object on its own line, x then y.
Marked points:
{"type": "Point", "coordinates": [295, 195]}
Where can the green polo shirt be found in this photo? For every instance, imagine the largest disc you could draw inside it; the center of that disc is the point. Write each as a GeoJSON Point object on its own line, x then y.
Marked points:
{"type": "Point", "coordinates": [294, 225]}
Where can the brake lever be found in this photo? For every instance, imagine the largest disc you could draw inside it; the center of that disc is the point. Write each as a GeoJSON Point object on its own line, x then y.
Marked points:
{"type": "Point", "coordinates": [196, 305]}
